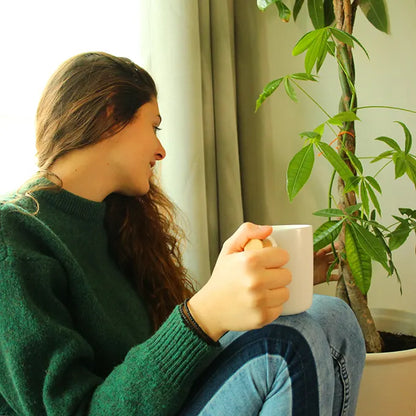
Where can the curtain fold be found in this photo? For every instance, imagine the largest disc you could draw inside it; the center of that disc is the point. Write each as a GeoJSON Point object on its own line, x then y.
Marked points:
{"type": "Point", "coordinates": [192, 62]}
{"type": "Point", "coordinates": [223, 184]}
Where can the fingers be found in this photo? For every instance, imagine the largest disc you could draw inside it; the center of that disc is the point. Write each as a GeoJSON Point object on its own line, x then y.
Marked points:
{"type": "Point", "coordinates": [276, 298]}
{"type": "Point", "coordinates": [270, 298]}
{"type": "Point", "coordinates": [267, 258]}
{"type": "Point", "coordinates": [269, 279]}
{"type": "Point", "coordinates": [244, 233]}
{"type": "Point", "coordinates": [265, 307]}
{"type": "Point", "coordinates": [247, 288]}
{"type": "Point", "coordinates": [326, 250]}
{"type": "Point", "coordinates": [325, 257]}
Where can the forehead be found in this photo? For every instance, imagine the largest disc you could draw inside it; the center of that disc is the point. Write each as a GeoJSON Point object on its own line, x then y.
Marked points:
{"type": "Point", "coordinates": [150, 109]}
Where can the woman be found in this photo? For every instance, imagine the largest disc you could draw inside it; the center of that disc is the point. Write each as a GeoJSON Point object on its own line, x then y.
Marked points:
{"type": "Point", "coordinates": [93, 317]}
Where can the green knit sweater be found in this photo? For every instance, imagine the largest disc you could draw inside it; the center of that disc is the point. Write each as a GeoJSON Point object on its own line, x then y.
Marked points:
{"type": "Point", "coordinates": [75, 339]}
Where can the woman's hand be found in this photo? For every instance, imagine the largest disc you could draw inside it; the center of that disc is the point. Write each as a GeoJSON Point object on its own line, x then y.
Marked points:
{"type": "Point", "coordinates": [247, 288]}
{"type": "Point", "coordinates": [321, 262]}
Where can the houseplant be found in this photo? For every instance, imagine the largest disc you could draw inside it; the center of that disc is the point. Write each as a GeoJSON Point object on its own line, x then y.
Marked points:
{"type": "Point", "coordinates": [353, 215]}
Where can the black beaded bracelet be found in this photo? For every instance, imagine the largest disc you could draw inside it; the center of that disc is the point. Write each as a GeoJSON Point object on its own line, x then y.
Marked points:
{"type": "Point", "coordinates": [193, 325]}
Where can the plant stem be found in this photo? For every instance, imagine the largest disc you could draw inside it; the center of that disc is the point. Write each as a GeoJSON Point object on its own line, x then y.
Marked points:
{"type": "Point", "coordinates": [317, 104]}
{"type": "Point", "coordinates": [312, 99]}
{"type": "Point", "coordinates": [331, 184]}
{"type": "Point", "coordinates": [347, 288]}
{"type": "Point", "coordinates": [386, 107]}
{"type": "Point", "coordinates": [382, 168]}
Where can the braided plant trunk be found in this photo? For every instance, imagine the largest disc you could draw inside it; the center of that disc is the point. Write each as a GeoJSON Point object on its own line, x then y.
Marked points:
{"type": "Point", "coordinates": [347, 289]}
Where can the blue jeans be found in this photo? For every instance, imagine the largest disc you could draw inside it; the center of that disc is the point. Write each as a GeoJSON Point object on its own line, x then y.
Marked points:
{"type": "Point", "coordinates": [306, 364]}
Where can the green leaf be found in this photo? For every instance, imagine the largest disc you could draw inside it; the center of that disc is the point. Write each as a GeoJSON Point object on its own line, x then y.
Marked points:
{"type": "Point", "coordinates": [408, 136]}
{"type": "Point", "coordinates": [322, 54]}
{"type": "Point", "coordinates": [331, 268]}
{"type": "Point", "coordinates": [317, 51]}
{"type": "Point", "coordinates": [400, 219]}
{"type": "Point", "coordinates": [389, 141]}
{"type": "Point", "coordinates": [373, 183]}
{"type": "Point", "coordinates": [304, 42]}
{"type": "Point", "coordinates": [342, 36]}
{"type": "Point", "coordinates": [399, 235]}
{"type": "Point", "coordinates": [355, 161]}
{"type": "Point", "coordinates": [411, 168]}
{"type": "Point", "coordinates": [347, 38]}
{"type": "Point", "coordinates": [352, 183]}
{"type": "Point", "coordinates": [377, 231]}
{"type": "Point", "coordinates": [399, 164]}
{"type": "Point", "coordinates": [310, 134]}
{"type": "Point", "coordinates": [284, 12]}
{"type": "Point", "coordinates": [264, 4]}
{"type": "Point", "coordinates": [329, 12]}
{"type": "Point", "coordinates": [376, 13]}
{"type": "Point", "coordinates": [370, 244]}
{"type": "Point", "coordinates": [268, 90]}
{"type": "Point", "coordinates": [377, 226]}
{"type": "Point", "coordinates": [303, 76]}
{"type": "Point", "coordinates": [326, 234]}
{"type": "Point", "coordinates": [374, 199]}
{"type": "Point", "coordinates": [335, 160]}
{"type": "Point", "coordinates": [409, 212]}
{"type": "Point", "coordinates": [331, 47]}
{"type": "Point", "coordinates": [320, 129]}
{"type": "Point", "coordinates": [364, 197]}
{"type": "Point", "coordinates": [299, 170]}
{"type": "Point", "coordinates": [329, 212]}
{"type": "Point", "coordinates": [352, 208]}
{"type": "Point", "coordinates": [316, 13]}
{"type": "Point", "coordinates": [296, 8]}
{"type": "Point", "coordinates": [384, 155]}
{"type": "Point", "coordinates": [392, 267]}
{"type": "Point", "coordinates": [358, 260]}
{"type": "Point", "coordinates": [343, 117]}
{"type": "Point", "coordinates": [290, 91]}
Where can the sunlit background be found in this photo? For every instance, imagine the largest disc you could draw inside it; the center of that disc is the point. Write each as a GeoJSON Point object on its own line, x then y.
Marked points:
{"type": "Point", "coordinates": [36, 37]}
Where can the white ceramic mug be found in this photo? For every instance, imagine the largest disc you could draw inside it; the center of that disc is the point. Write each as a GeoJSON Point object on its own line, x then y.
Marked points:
{"type": "Point", "coordinates": [297, 240]}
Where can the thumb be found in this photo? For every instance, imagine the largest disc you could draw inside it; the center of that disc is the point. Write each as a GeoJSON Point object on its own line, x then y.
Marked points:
{"type": "Point", "coordinates": [243, 235]}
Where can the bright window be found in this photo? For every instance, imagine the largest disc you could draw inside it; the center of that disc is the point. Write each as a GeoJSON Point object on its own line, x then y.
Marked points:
{"type": "Point", "coordinates": [36, 37]}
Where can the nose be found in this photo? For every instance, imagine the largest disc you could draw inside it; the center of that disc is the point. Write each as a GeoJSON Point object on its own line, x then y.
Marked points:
{"type": "Point", "coordinates": [161, 152]}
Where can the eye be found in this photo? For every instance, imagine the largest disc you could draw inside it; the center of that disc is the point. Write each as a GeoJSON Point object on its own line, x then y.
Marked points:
{"type": "Point", "coordinates": [156, 129]}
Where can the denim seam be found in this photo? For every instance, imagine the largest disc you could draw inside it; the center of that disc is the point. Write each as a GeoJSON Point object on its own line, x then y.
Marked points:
{"type": "Point", "coordinates": [339, 358]}
{"type": "Point", "coordinates": [236, 347]}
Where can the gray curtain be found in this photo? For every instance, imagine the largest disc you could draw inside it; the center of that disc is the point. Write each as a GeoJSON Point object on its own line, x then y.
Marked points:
{"type": "Point", "coordinates": [192, 61]}
{"type": "Point", "coordinates": [222, 166]}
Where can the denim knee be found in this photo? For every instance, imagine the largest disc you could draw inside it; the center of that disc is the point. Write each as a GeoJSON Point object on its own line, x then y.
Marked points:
{"type": "Point", "coordinates": [340, 325]}
{"type": "Point", "coordinates": [347, 348]}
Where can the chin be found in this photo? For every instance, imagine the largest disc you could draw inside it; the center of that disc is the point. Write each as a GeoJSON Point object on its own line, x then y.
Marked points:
{"type": "Point", "coordinates": [137, 191]}
{"type": "Point", "coordinates": [134, 189]}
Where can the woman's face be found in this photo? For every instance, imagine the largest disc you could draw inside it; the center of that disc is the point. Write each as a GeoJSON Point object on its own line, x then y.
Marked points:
{"type": "Point", "coordinates": [136, 149]}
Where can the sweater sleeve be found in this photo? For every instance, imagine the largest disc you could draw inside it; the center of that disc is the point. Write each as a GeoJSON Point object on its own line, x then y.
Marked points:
{"type": "Point", "coordinates": [47, 367]}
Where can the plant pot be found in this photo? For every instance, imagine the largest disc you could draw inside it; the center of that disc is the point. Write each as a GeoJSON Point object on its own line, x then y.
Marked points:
{"type": "Point", "coordinates": [388, 386]}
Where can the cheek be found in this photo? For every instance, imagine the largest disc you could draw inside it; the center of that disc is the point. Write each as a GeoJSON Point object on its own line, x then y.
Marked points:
{"type": "Point", "coordinates": [138, 164]}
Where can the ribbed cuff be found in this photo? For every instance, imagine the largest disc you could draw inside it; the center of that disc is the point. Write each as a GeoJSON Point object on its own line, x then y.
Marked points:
{"type": "Point", "coordinates": [177, 350]}
{"type": "Point", "coordinates": [190, 322]}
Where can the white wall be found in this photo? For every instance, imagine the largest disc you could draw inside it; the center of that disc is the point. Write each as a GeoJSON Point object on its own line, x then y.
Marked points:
{"type": "Point", "coordinates": [264, 47]}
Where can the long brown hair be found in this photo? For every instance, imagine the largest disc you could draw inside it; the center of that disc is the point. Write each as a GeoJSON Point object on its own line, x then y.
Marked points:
{"type": "Point", "coordinates": [74, 112]}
